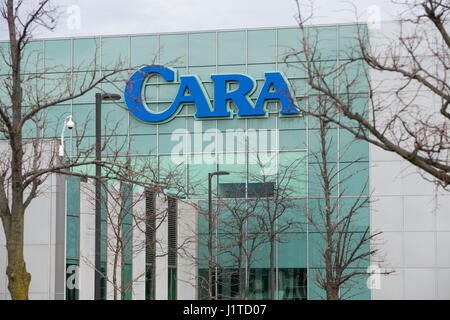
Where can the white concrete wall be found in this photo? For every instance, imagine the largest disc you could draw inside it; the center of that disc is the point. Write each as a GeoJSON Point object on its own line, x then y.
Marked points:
{"type": "Point", "coordinates": [412, 213]}
{"type": "Point", "coordinates": [39, 245]}
{"type": "Point", "coordinates": [186, 273]}
{"type": "Point", "coordinates": [112, 253]}
{"type": "Point", "coordinates": [187, 267]}
{"type": "Point", "coordinates": [138, 267]}
{"type": "Point", "coordinates": [161, 270]}
{"type": "Point", "coordinates": [415, 220]}
{"type": "Point", "coordinates": [87, 242]}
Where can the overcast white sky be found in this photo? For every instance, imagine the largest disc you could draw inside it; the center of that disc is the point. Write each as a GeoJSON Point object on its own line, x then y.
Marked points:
{"type": "Point", "coordinates": [108, 17]}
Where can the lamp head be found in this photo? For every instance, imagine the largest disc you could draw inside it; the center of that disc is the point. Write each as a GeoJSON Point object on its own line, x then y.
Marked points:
{"type": "Point", "coordinates": [110, 96]}
{"type": "Point", "coordinates": [70, 123]}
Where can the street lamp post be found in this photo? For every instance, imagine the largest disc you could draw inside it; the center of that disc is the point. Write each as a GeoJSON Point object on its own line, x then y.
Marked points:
{"type": "Point", "coordinates": [99, 97]}
{"type": "Point", "coordinates": [210, 235]}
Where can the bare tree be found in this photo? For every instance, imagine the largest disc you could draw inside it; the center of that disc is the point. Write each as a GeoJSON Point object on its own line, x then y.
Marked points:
{"type": "Point", "coordinates": [28, 158]}
{"type": "Point", "coordinates": [243, 221]}
{"type": "Point", "coordinates": [399, 74]}
{"type": "Point", "coordinates": [273, 201]}
{"type": "Point", "coordinates": [126, 211]}
{"type": "Point", "coordinates": [346, 245]}
{"type": "Point", "coordinates": [239, 245]}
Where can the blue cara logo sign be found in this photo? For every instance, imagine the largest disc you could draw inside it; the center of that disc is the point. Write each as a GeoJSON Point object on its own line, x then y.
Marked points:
{"type": "Point", "coordinates": [191, 91]}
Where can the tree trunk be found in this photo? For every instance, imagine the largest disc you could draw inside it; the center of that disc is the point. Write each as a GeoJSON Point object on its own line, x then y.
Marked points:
{"type": "Point", "coordinates": [272, 271]}
{"type": "Point", "coordinates": [18, 277]}
{"type": "Point", "coordinates": [241, 241]}
{"type": "Point", "coordinates": [122, 272]}
{"type": "Point", "coordinates": [332, 292]}
{"type": "Point", "coordinates": [210, 259]}
{"type": "Point", "coordinates": [116, 258]}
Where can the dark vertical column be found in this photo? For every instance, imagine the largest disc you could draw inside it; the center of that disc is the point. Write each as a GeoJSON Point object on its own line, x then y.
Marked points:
{"type": "Point", "coordinates": [98, 173]}
{"type": "Point", "coordinates": [150, 244]}
{"type": "Point", "coordinates": [173, 246]}
{"type": "Point", "coordinates": [210, 238]}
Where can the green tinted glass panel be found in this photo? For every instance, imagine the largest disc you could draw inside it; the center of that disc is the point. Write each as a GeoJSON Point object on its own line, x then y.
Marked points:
{"type": "Point", "coordinates": [58, 55]}
{"type": "Point", "coordinates": [173, 49]}
{"type": "Point", "coordinates": [315, 145]}
{"type": "Point", "coordinates": [5, 58]}
{"type": "Point", "coordinates": [149, 283]}
{"type": "Point", "coordinates": [103, 281]}
{"type": "Point", "coordinates": [261, 256]}
{"type": "Point", "coordinates": [203, 221]}
{"type": "Point", "coordinates": [352, 149]}
{"type": "Point", "coordinates": [294, 215]}
{"type": "Point", "coordinates": [292, 250]}
{"type": "Point", "coordinates": [169, 143]}
{"type": "Point", "coordinates": [292, 284]}
{"type": "Point", "coordinates": [292, 174]}
{"type": "Point", "coordinates": [114, 120]}
{"type": "Point", "coordinates": [144, 50]}
{"type": "Point", "coordinates": [175, 125]}
{"type": "Point", "coordinates": [57, 86]}
{"type": "Point", "coordinates": [349, 36]}
{"type": "Point", "coordinates": [317, 213]}
{"type": "Point", "coordinates": [354, 178]}
{"type": "Point", "coordinates": [317, 245]}
{"type": "Point", "coordinates": [315, 291]}
{"type": "Point", "coordinates": [358, 208]}
{"type": "Point", "coordinates": [73, 237]}
{"type": "Point", "coordinates": [235, 124]}
{"type": "Point", "coordinates": [140, 127]}
{"type": "Point", "coordinates": [354, 77]}
{"type": "Point", "coordinates": [81, 82]}
{"type": "Point", "coordinates": [54, 120]}
{"type": "Point", "coordinates": [324, 40]}
{"type": "Point", "coordinates": [127, 230]}
{"type": "Point", "coordinates": [236, 168]}
{"type": "Point", "coordinates": [259, 284]}
{"type": "Point", "coordinates": [172, 285]}
{"type": "Point", "coordinates": [143, 144]}
{"type": "Point", "coordinates": [198, 176]}
{"type": "Point", "coordinates": [231, 47]}
{"type": "Point", "coordinates": [172, 173]}
{"type": "Point", "coordinates": [73, 220]}
{"type": "Point", "coordinates": [292, 139]}
{"type": "Point", "coordinates": [72, 278]}
{"type": "Point", "coordinates": [240, 68]}
{"type": "Point", "coordinates": [166, 92]}
{"type": "Point", "coordinates": [262, 46]}
{"type": "Point", "coordinates": [289, 40]}
{"type": "Point", "coordinates": [257, 71]}
{"type": "Point", "coordinates": [86, 54]}
{"type": "Point", "coordinates": [33, 57]}
{"type": "Point", "coordinates": [115, 52]}
{"type": "Point", "coordinates": [262, 123]}
{"type": "Point", "coordinates": [357, 289]}
{"type": "Point", "coordinates": [202, 49]}
{"type": "Point", "coordinates": [128, 281]}
{"type": "Point", "coordinates": [204, 73]}
{"type": "Point", "coordinates": [292, 69]}
{"type": "Point", "coordinates": [262, 167]}
{"type": "Point", "coordinates": [359, 103]}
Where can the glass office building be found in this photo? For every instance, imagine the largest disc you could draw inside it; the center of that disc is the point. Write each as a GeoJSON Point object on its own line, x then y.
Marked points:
{"type": "Point", "coordinates": [257, 241]}
{"type": "Point", "coordinates": [255, 150]}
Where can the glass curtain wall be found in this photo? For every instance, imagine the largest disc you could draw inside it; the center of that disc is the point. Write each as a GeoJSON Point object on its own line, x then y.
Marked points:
{"type": "Point", "coordinates": [192, 148]}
